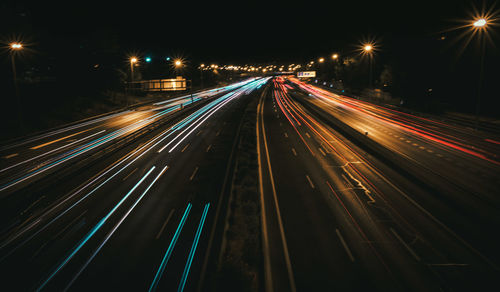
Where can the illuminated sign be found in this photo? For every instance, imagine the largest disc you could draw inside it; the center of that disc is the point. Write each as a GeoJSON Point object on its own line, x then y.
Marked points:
{"type": "Point", "coordinates": [176, 84]}
{"type": "Point", "coordinates": [306, 74]}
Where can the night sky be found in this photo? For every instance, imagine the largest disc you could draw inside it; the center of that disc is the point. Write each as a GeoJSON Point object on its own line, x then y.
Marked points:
{"type": "Point", "coordinates": [408, 32]}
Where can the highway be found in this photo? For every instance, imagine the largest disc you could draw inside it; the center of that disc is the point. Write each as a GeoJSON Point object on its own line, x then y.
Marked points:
{"type": "Point", "coordinates": [95, 209]}
{"type": "Point", "coordinates": [338, 217]}
{"type": "Point", "coordinates": [353, 196]}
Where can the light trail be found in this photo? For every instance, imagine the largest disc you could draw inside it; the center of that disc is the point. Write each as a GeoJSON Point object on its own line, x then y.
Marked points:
{"type": "Point", "coordinates": [193, 249]}
{"type": "Point", "coordinates": [92, 232]}
{"type": "Point", "coordinates": [394, 118]}
{"type": "Point", "coordinates": [115, 228]}
{"type": "Point", "coordinates": [168, 253]}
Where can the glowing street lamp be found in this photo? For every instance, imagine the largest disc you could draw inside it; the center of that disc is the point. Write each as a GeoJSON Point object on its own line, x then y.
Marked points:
{"type": "Point", "coordinates": [14, 48]}
{"type": "Point", "coordinates": [321, 60]}
{"type": "Point", "coordinates": [133, 61]}
{"type": "Point", "coordinates": [178, 63]}
{"type": "Point", "coordinates": [480, 26]}
{"type": "Point", "coordinates": [368, 49]}
{"type": "Point", "coordinates": [202, 66]}
{"type": "Point", "coordinates": [335, 56]}
{"type": "Point", "coordinates": [481, 22]}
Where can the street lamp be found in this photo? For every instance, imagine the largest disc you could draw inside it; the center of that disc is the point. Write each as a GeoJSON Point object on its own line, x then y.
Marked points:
{"type": "Point", "coordinates": [133, 61]}
{"type": "Point", "coordinates": [368, 49]}
{"type": "Point", "coordinates": [479, 26]}
{"type": "Point", "coordinates": [202, 66]}
{"type": "Point", "coordinates": [335, 56]}
{"type": "Point", "coordinates": [14, 49]}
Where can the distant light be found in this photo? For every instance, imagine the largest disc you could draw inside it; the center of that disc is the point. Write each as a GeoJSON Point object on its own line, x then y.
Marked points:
{"type": "Point", "coordinates": [167, 58]}
{"type": "Point", "coordinates": [177, 63]}
{"type": "Point", "coordinates": [16, 46]}
{"type": "Point", "coordinates": [335, 56]}
{"type": "Point", "coordinates": [368, 48]}
{"type": "Point", "coordinates": [321, 60]}
{"type": "Point", "coordinates": [480, 22]}
{"type": "Point", "coordinates": [133, 60]}
{"type": "Point", "coordinates": [148, 59]}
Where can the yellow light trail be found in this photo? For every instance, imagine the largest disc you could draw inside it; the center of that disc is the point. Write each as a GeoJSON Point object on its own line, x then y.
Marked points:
{"type": "Point", "coordinates": [60, 139]}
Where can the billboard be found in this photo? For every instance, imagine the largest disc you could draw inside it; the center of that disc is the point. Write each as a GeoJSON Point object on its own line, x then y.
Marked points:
{"type": "Point", "coordinates": [306, 74]}
{"type": "Point", "coordinates": [178, 83]}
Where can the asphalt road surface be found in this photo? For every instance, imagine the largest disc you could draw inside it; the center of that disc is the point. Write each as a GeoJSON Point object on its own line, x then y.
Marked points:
{"type": "Point", "coordinates": [338, 217]}
{"type": "Point", "coordinates": [353, 196]}
{"type": "Point", "coordinates": [136, 217]}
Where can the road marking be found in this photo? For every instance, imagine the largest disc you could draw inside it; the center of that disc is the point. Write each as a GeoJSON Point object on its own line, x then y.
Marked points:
{"type": "Point", "coordinates": [421, 147]}
{"type": "Point", "coordinates": [310, 181]}
{"type": "Point", "coordinates": [218, 133]}
{"type": "Point", "coordinates": [185, 147]}
{"type": "Point", "coordinates": [401, 138]}
{"type": "Point", "coordinates": [208, 148]}
{"type": "Point", "coordinates": [11, 155]}
{"type": "Point", "coordinates": [430, 151]}
{"type": "Point", "coordinates": [414, 144]}
{"type": "Point", "coordinates": [408, 141]}
{"type": "Point", "coordinates": [294, 152]}
{"type": "Point", "coordinates": [345, 245]}
{"type": "Point", "coordinates": [322, 152]}
{"type": "Point", "coordinates": [269, 287]}
{"type": "Point", "coordinates": [197, 134]}
{"type": "Point", "coordinates": [129, 174]}
{"type": "Point", "coordinates": [165, 223]}
{"type": "Point", "coordinates": [439, 155]}
{"type": "Point", "coordinates": [286, 135]}
{"type": "Point", "coordinates": [308, 136]}
{"type": "Point", "coordinates": [405, 245]}
{"type": "Point", "coordinates": [194, 173]}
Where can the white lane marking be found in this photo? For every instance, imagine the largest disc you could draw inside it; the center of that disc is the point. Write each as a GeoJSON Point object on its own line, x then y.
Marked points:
{"type": "Point", "coordinates": [129, 174]}
{"type": "Point", "coordinates": [405, 245]}
{"type": "Point", "coordinates": [11, 155]}
{"type": "Point", "coordinates": [348, 251]}
{"type": "Point", "coordinates": [165, 223]}
{"type": "Point", "coordinates": [294, 152]}
{"type": "Point", "coordinates": [310, 181]}
{"type": "Point", "coordinates": [208, 148]}
{"type": "Point", "coordinates": [194, 173]}
{"type": "Point", "coordinates": [185, 147]}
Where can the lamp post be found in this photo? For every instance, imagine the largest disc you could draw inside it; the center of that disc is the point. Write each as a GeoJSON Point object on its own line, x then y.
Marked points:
{"type": "Point", "coordinates": [14, 49]}
{"type": "Point", "coordinates": [202, 66]}
{"type": "Point", "coordinates": [133, 60]}
{"type": "Point", "coordinates": [335, 58]}
{"type": "Point", "coordinates": [368, 49]}
{"type": "Point", "coordinates": [480, 25]}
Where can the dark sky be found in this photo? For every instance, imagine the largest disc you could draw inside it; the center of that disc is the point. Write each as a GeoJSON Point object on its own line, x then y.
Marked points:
{"type": "Point", "coordinates": [235, 30]}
